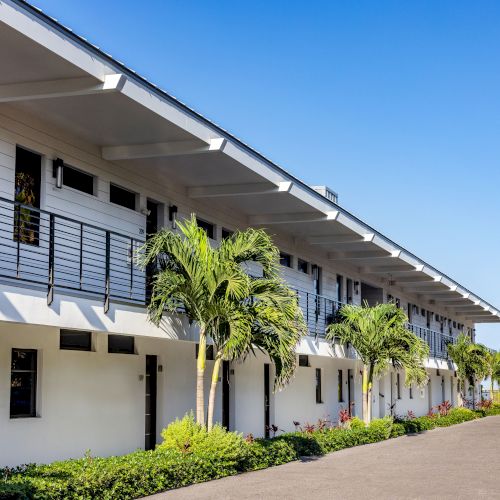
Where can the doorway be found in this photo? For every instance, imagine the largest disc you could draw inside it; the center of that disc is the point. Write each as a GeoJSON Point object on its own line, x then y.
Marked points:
{"type": "Point", "coordinates": [267, 401]}
{"type": "Point", "coordinates": [151, 396]}
{"type": "Point", "coordinates": [225, 395]}
{"type": "Point", "coordinates": [28, 175]}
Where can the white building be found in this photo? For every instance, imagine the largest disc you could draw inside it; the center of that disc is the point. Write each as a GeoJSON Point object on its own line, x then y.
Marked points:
{"type": "Point", "coordinates": [80, 365]}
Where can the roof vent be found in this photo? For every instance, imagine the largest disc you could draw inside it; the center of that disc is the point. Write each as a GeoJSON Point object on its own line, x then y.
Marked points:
{"type": "Point", "coordinates": [327, 193]}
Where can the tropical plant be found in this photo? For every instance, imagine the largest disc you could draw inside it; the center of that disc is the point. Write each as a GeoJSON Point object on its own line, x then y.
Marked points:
{"type": "Point", "coordinates": [381, 340]}
{"type": "Point", "coordinates": [471, 361]}
{"type": "Point", "coordinates": [238, 312]}
{"type": "Point", "coordinates": [493, 370]}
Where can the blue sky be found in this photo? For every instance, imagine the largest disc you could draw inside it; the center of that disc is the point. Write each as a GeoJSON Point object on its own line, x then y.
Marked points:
{"type": "Point", "coordinates": [395, 105]}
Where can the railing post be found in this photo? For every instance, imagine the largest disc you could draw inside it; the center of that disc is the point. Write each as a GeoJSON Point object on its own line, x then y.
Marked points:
{"type": "Point", "coordinates": [81, 255]}
{"type": "Point", "coordinates": [50, 291]}
{"type": "Point", "coordinates": [17, 211]}
{"type": "Point", "coordinates": [107, 284]}
{"type": "Point", "coordinates": [131, 266]}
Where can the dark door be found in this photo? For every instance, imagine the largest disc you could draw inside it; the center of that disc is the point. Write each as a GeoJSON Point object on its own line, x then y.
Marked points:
{"type": "Point", "coordinates": [151, 228]}
{"type": "Point", "coordinates": [225, 394]}
{"type": "Point", "coordinates": [350, 391]}
{"type": "Point", "coordinates": [267, 402]}
{"type": "Point", "coordinates": [151, 370]}
{"type": "Point", "coordinates": [27, 191]}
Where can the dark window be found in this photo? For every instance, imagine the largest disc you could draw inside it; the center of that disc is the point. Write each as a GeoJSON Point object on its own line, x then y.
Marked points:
{"type": "Point", "coordinates": [209, 352]}
{"type": "Point", "coordinates": [341, 386]}
{"type": "Point", "coordinates": [411, 392]}
{"type": "Point", "coordinates": [121, 344]}
{"type": "Point", "coordinates": [226, 233]}
{"type": "Point", "coordinates": [207, 226]}
{"type": "Point", "coordinates": [303, 360]}
{"type": "Point", "coordinates": [422, 311]}
{"type": "Point", "coordinates": [398, 303]}
{"type": "Point", "coordinates": [285, 259]}
{"type": "Point", "coordinates": [23, 383]}
{"type": "Point", "coordinates": [318, 386]}
{"type": "Point", "coordinates": [398, 385]}
{"type": "Point", "coordinates": [303, 266]}
{"type": "Point", "coordinates": [121, 196]}
{"type": "Point", "coordinates": [76, 179]}
{"type": "Point", "coordinates": [75, 340]}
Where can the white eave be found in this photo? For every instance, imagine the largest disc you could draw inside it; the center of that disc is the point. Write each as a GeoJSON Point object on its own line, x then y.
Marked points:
{"type": "Point", "coordinates": [220, 166]}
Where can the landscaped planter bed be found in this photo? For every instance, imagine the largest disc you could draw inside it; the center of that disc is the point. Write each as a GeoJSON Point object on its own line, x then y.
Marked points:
{"type": "Point", "coordinates": [170, 466]}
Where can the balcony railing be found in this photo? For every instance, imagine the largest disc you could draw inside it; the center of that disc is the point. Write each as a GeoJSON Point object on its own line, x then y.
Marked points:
{"type": "Point", "coordinates": [43, 248]}
{"type": "Point", "coordinates": [437, 341]}
{"type": "Point", "coordinates": [319, 311]}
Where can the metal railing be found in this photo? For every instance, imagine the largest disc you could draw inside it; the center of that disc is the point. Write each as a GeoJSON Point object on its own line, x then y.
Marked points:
{"type": "Point", "coordinates": [44, 248]}
{"type": "Point", "coordinates": [437, 341]}
{"type": "Point", "coordinates": [319, 311]}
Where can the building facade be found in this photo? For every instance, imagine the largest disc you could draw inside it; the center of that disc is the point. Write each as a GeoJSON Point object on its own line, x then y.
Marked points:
{"type": "Point", "coordinates": [92, 159]}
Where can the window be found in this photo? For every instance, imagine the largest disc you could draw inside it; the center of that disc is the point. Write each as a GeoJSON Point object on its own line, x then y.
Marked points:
{"type": "Point", "coordinates": [341, 386]}
{"type": "Point", "coordinates": [75, 340]}
{"type": "Point", "coordinates": [398, 303]}
{"type": "Point", "coordinates": [411, 392]}
{"type": "Point", "coordinates": [23, 383]}
{"type": "Point", "coordinates": [303, 360]}
{"type": "Point", "coordinates": [226, 233]}
{"type": "Point", "coordinates": [207, 226]}
{"type": "Point", "coordinates": [76, 179]}
{"type": "Point", "coordinates": [285, 259]}
{"type": "Point", "coordinates": [422, 311]}
{"type": "Point", "coordinates": [121, 344]}
{"type": "Point", "coordinates": [318, 386]}
{"type": "Point", "coordinates": [121, 196]}
{"type": "Point", "coordinates": [398, 384]}
{"type": "Point", "coordinates": [303, 266]}
{"type": "Point", "coordinates": [209, 352]}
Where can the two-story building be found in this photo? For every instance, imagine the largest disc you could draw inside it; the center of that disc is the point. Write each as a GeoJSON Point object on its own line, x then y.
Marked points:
{"type": "Point", "coordinates": [93, 157]}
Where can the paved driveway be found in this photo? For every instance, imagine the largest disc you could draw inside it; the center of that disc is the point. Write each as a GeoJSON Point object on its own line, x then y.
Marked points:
{"type": "Point", "coordinates": [462, 461]}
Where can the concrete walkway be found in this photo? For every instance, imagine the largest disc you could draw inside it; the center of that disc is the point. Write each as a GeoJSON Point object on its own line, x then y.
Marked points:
{"type": "Point", "coordinates": [462, 461]}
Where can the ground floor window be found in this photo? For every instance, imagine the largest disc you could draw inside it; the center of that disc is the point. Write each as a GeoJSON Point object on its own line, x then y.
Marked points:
{"type": "Point", "coordinates": [23, 383]}
{"type": "Point", "coordinates": [318, 386]}
{"type": "Point", "coordinates": [340, 387]}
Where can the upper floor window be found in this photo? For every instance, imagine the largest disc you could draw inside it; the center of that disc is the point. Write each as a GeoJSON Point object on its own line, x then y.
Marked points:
{"type": "Point", "coordinates": [207, 226]}
{"type": "Point", "coordinates": [303, 360]}
{"type": "Point", "coordinates": [123, 197]}
{"type": "Point", "coordinates": [285, 259]}
{"type": "Point", "coordinates": [23, 383]}
{"type": "Point", "coordinates": [303, 266]}
{"type": "Point", "coordinates": [226, 233]}
{"type": "Point", "coordinates": [76, 179]}
{"type": "Point", "coordinates": [75, 340]}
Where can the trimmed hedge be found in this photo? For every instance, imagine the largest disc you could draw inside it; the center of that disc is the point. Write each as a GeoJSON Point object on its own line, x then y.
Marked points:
{"type": "Point", "coordinates": [193, 458]}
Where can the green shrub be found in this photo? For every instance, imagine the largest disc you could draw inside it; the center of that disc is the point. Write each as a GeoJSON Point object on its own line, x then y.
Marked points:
{"type": "Point", "coordinates": [398, 429]}
{"type": "Point", "coordinates": [380, 428]}
{"type": "Point", "coordinates": [218, 445]}
{"type": "Point", "coordinates": [456, 416]}
{"type": "Point", "coordinates": [356, 423]}
{"type": "Point", "coordinates": [269, 452]}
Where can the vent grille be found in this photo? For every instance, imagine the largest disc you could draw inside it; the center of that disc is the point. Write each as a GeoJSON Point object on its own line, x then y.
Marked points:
{"type": "Point", "coordinates": [327, 193]}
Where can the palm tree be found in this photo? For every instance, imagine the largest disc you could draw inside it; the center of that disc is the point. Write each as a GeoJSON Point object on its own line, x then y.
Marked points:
{"type": "Point", "coordinates": [381, 340]}
{"type": "Point", "coordinates": [494, 370]}
{"type": "Point", "coordinates": [210, 286]}
{"type": "Point", "coordinates": [268, 320]}
{"type": "Point", "coordinates": [471, 361]}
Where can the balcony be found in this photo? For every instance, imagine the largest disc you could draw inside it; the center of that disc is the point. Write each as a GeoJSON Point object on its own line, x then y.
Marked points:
{"type": "Point", "coordinates": [42, 248]}
{"type": "Point", "coordinates": [437, 341]}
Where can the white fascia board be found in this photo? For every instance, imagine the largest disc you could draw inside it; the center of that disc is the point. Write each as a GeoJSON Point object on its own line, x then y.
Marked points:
{"type": "Point", "coordinates": [227, 190]}
{"type": "Point", "coordinates": [23, 21]}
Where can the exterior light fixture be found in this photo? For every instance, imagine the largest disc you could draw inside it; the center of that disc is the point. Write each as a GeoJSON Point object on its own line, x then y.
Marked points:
{"type": "Point", "coordinates": [172, 215]}
{"type": "Point", "coordinates": [58, 172]}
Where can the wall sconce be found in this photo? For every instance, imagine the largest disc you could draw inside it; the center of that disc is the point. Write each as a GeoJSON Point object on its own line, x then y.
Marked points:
{"type": "Point", "coordinates": [172, 215]}
{"type": "Point", "coordinates": [58, 168]}
{"type": "Point", "coordinates": [356, 287]}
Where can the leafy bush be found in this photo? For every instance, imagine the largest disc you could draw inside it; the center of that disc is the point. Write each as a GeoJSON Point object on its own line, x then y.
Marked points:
{"type": "Point", "coordinates": [218, 445]}
{"type": "Point", "coordinates": [191, 455]}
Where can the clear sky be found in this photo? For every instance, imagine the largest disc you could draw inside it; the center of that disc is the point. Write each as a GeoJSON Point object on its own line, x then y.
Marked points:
{"type": "Point", "coordinates": [395, 105]}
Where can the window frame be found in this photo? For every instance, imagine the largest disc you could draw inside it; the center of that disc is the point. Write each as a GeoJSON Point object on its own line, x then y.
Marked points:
{"type": "Point", "coordinates": [120, 351]}
{"type": "Point", "coordinates": [65, 331]}
{"type": "Point", "coordinates": [340, 386]}
{"type": "Point", "coordinates": [206, 225]}
{"type": "Point", "coordinates": [65, 166]}
{"type": "Point", "coordinates": [129, 191]}
{"type": "Point", "coordinates": [304, 360]}
{"type": "Point", "coordinates": [34, 383]}
{"type": "Point", "coordinates": [286, 260]}
{"type": "Point", "coordinates": [300, 266]}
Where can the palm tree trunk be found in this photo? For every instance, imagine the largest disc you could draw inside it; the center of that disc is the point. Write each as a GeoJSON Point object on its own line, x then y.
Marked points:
{"type": "Point", "coordinates": [461, 392]}
{"type": "Point", "coordinates": [200, 378]}
{"type": "Point", "coordinates": [370, 393]}
{"type": "Point", "coordinates": [213, 387]}
{"type": "Point", "coordinates": [365, 391]}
